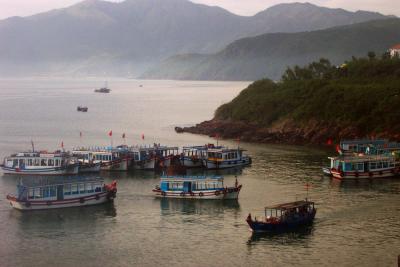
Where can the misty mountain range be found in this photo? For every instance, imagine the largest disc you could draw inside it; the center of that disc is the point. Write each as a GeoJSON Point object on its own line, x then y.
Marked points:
{"type": "Point", "coordinates": [124, 39]}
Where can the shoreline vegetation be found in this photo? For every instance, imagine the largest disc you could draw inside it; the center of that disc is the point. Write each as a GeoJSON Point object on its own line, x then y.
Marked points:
{"type": "Point", "coordinates": [315, 103]}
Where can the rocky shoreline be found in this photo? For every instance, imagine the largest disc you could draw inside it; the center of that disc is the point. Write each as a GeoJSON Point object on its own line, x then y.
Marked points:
{"type": "Point", "coordinates": [284, 132]}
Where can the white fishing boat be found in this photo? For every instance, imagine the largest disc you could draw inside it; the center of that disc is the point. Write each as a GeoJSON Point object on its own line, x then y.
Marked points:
{"type": "Point", "coordinates": [192, 156]}
{"type": "Point", "coordinates": [63, 195]}
{"type": "Point", "coordinates": [222, 158]}
{"type": "Point", "coordinates": [109, 159]}
{"type": "Point", "coordinates": [364, 167]}
{"type": "Point", "coordinates": [40, 163]}
{"type": "Point", "coordinates": [196, 187]}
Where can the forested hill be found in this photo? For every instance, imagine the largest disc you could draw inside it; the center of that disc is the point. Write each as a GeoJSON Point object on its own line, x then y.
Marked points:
{"type": "Point", "coordinates": [268, 55]}
{"type": "Point", "coordinates": [312, 104]}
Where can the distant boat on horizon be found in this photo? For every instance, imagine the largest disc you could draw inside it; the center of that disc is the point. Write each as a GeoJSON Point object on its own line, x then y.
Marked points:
{"type": "Point", "coordinates": [104, 89]}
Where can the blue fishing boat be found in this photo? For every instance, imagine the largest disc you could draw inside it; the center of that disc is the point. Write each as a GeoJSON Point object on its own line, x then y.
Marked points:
{"type": "Point", "coordinates": [284, 217]}
{"type": "Point", "coordinates": [196, 187]}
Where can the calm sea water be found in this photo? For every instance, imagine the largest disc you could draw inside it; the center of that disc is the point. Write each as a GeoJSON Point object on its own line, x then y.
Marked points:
{"type": "Point", "coordinates": [357, 224]}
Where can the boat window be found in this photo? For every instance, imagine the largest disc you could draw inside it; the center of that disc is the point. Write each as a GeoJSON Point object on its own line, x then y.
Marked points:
{"type": "Point", "coordinates": [21, 162]}
{"type": "Point", "coordinates": [43, 162]}
{"type": "Point", "coordinates": [360, 166]}
{"type": "Point", "coordinates": [31, 193]}
{"type": "Point", "coordinates": [15, 162]}
{"type": "Point", "coordinates": [385, 164]}
{"type": "Point", "coordinates": [50, 162]}
{"type": "Point", "coordinates": [46, 192]}
{"type": "Point", "coordinates": [391, 164]}
{"type": "Point", "coordinates": [53, 191]}
{"type": "Point", "coordinates": [57, 162]}
{"type": "Point", "coordinates": [38, 193]}
{"type": "Point", "coordinates": [89, 188]}
{"type": "Point", "coordinates": [81, 188]}
{"type": "Point", "coordinates": [74, 189]}
{"type": "Point", "coordinates": [36, 162]}
{"type": "Point", "coordinates": [67, 189]}
{"type": "Point", "coordinates": [30, 162]}
{"type": "Point", "coordinates": [97, 188]}
{"type": "Point", "coordinates": [379, 165]}
{"type": "Point", "coordinates": [372, 165]}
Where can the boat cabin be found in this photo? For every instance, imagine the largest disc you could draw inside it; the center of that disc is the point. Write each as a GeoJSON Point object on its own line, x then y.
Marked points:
{"type": "Point", "coordinates": [362, 163]}
{"type": "Point", "coordinates": [37, 159]}
{"type": "Point", "coordinates": [222, 154]}
{"type": "Point", "coordinates": [288, 210]}
{"type": "Point", "coordinates": [191, 183]}
{"type": "Point", "coordinates": [60, 191]}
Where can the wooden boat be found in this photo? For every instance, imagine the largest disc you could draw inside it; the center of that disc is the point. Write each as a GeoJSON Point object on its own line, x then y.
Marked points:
{"type": "Point", "coordinates": [222, 158]}
{"type": "Point", "coordinates": [196, 187]}
{"type": "Point", "coordinates": [284, 217]}
{"type": "Point", "coordinates": [152, 156]}
{"type": "Point", "coordinates": [109, 159]}
{"type": "Point", "coordinates": [364, 167]}
{"type": "Point", "coordinates": [63, 195]}
{"type": "Point", "coordinates": [82, 109]}
{"type": "Point", "coordinates": [41, 163]}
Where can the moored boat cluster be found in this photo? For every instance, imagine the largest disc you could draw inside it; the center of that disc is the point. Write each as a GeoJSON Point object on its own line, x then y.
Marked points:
{"type": "Point", "coordinates": [123, 158]}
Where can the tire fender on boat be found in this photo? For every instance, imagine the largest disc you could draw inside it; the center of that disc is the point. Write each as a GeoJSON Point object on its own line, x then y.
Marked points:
{"type": "Point", "coordinates": [81, 200]}
{"type": "Point", "coordinates": [182, 194]}
{"type": "Point", "coordinates": [192, 194]}
{"type": "Point", "coordinates": [217, 193]}
{"type": "Point", "coordinates": [97, 197]}
{"type": "Point", "coordinates": [371, 174]}
{"type": "Point", "coordinates": [201, 194]}
{"type": "Point", "coordinates": [27, 204]}
{"type": "Point", "coordinates": [48, 203]}
{"type": "Point", "coordinates": [356, 174]}
{"type": "Point", "coordinates": [163, 193]}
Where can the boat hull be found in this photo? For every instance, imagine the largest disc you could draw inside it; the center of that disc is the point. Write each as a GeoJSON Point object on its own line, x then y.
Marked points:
{"type": "Point", "coordinates": [94, 199]}
{"type": "Point", "coordinates": [145, 165]}
{"type": "Point", "coordinates": [228, 193]}
{"type": "Point", "coordinates": [365, 175]}
{"type": "Point", "coordinates": [191, 163]}
{"type": "Point", "coordinates": [274, 227]}
{"type": "Point", "coordinates": [116, 165]}
{"type": "Point", "coordinates": [90, 168]}
{"type": "Point", "coordinates": [224, 164]}
{"type": "Point", "coordinates": [70, 170]}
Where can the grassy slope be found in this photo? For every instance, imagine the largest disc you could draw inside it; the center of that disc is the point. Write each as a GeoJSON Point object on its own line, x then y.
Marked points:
{"type": "Point", "coordinates": [367, 99]}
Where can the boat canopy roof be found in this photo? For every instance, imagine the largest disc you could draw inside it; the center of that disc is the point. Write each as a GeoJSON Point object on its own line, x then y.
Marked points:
{"type": "Point", "coordinates": [54, 181]}
{"type": "Point", "coordinates": [364, 141]}
{"type": "Point", "coordinates": [363, 158]}
{"type": "Point", "coordinates": [224, 150]}
{"type": "Point", "coordinates": [291, 205]}
{"type": "Point", "coordinates": [191, 178]}
{"type": "Point", "coordinates": [42, 154]}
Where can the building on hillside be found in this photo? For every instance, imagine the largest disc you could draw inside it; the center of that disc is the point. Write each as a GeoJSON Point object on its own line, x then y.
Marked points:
{"type": "Point", "coordinates": [395, 51]}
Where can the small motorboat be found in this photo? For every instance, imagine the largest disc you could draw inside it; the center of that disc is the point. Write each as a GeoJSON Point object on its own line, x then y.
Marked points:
{"type": "Point", "coordinates": [72, 193]}
{"type": "Point", "coordinates": [283, 217]}
{"type": "Point", "coordinates": [82, 109]}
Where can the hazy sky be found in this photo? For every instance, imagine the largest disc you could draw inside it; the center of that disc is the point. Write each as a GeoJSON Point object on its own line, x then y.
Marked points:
{"type": "Point", "coordinates": [10, 8]}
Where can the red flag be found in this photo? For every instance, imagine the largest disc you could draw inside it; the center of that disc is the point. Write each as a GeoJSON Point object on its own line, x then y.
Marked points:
{"type": "Point", "coordinates": [142, 136]}
{"type": "Point", "coordinates": [110, 133]}
{"type": "Point", "coordinates": [329, 141]}
{"type": "Point", "coordinates": [338, 148]}
{"type": "Point", "coordinates": [123, 135]}
{"type": "Point", "coordinates": [62, 144]}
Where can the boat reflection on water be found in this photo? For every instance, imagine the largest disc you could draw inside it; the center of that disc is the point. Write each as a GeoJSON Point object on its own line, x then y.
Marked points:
{"type": "Point", "coordinates": [193, 206]}
{"type": "Point", "coordinates": [298, 237]}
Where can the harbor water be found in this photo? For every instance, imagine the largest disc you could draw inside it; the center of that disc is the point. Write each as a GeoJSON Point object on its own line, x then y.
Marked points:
{"type": "Point", "coordinates": [357, 223]}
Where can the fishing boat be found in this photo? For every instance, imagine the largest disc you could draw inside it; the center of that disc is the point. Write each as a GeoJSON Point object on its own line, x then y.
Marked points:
{"type": "Point", "coordinates": [222, 158]}
{"type": "Point", "coordinates": [196, 187]}
{"type": "Point", "coordinates": [150, 157]}
{"type": "Point", "coordinates": [82, 109]}
{"type": "Point", "coordinates": [109, 159]}
{"type": "Point", "coordinates": [192, 156]}
{"type": "Point", "coordinates": [364, 166]}
{"type": "Point", "coordinates": [104, 89]}
{"type": "Point", "coordinates": [41, 163]}
{"type": "Point", "coordinates": [63, 195]}
{"type": "Point", "coordinates": [283, 217]}
{"type": "Point", "coordinates": [86, 161]}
